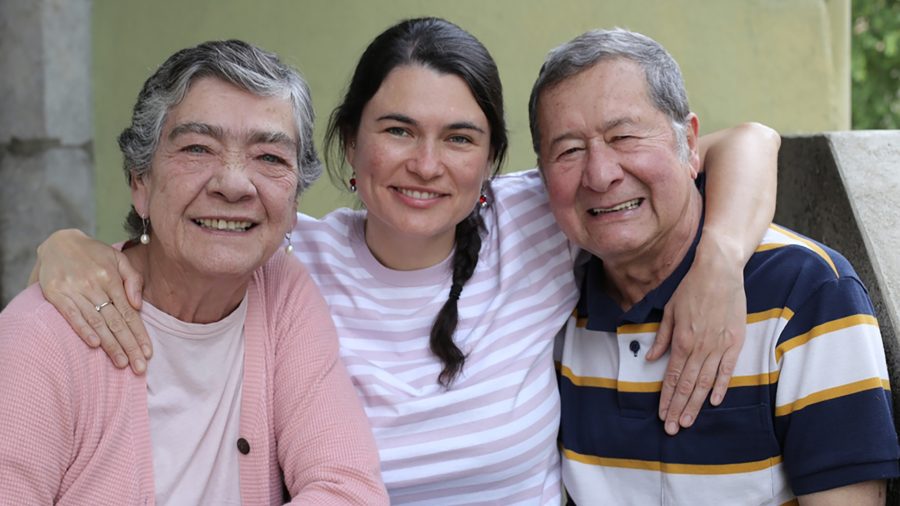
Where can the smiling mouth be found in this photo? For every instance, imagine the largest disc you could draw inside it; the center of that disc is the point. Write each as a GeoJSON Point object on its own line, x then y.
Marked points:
{"type": "Point", "coordinates": [416, 194]}
{"type": "Point", "coordinates": [226, 225]}
{"type": "Point", "coordinates": [624, 206]}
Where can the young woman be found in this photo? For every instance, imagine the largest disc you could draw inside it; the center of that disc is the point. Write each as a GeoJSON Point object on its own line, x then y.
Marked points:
{"type": "Point", "coordinates": [448, 289]}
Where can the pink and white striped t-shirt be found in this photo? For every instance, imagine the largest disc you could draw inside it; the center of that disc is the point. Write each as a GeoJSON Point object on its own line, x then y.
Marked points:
{"type": "Point", "coordinates": [490, 438]}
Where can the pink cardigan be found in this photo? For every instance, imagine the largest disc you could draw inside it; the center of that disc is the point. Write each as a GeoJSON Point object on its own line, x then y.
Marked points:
{"type": "Point", "coordinates": [75, 430]}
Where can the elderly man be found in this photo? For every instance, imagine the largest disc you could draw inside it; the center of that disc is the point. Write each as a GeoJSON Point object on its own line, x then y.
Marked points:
{"type": "Point", "coordinates": [808, 415]}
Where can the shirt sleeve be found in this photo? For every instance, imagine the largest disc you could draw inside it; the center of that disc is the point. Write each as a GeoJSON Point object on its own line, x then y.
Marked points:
{"type": "Point", "coordinates": [325, 445]}
{"type": "Point", "coordinates": [36, 413]}
{"type": "Point", "coordinates": [833, 411]}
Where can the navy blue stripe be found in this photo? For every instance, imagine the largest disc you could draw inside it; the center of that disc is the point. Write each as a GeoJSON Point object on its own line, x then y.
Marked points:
{"type": "Point", "coordinates": [835, 299]}
{"type": "Point", "coordinates": [857, 427]}
{"type": "Point", "coordinates": [594, 422]}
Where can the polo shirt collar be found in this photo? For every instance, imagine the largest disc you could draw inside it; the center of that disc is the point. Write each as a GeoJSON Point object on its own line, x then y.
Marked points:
{"type": "Point", "coordinates": [605, 314]}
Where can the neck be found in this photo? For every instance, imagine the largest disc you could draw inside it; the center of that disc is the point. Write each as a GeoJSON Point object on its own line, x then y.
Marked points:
{"type": "Point", "coordinates": [629, 280]}
{"type": "Point", "coordinates": [407, 252]}
{"type": "Point", "coordinates": [183, 293]}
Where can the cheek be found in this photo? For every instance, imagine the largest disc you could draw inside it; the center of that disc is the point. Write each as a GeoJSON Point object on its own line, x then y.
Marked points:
{"type": "Point", "coordinates": [372, 160]}
{"type": "Point", "coordinates": [561, 189]}
{"type": "Point", "coordinates": [278, 197]}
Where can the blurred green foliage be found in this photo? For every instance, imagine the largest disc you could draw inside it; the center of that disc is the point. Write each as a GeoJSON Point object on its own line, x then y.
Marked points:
{"type": "Point", "coordinates": [876, 64]}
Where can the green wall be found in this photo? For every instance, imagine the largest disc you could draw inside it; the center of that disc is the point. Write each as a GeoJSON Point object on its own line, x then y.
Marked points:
{"type": "Point", "coordinates": [781, 62]}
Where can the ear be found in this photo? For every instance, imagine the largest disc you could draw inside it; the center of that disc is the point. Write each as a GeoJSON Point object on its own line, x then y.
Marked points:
{"type": "Point", "coordinates": [350, 152]}
{"type": "Point", "coordinates": [140, 194]}
{"type": "Point", "coordinates": [693, 141]}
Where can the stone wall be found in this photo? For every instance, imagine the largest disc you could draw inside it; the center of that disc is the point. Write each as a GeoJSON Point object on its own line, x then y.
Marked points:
{"type": "Point", "coordinates": [46, 128]}
{"type": "Point", "coordinates": [843, 189]}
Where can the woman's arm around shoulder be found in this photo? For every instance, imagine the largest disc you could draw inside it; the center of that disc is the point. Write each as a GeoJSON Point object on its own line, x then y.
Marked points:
{"type": "Point", "coordinates": [706, 316]}
{"type": "Point", "coordinates": [98, 292]}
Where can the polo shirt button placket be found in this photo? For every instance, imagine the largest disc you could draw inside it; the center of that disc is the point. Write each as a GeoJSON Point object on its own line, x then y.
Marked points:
{"type": "Point", "coordinates": [635, 347]}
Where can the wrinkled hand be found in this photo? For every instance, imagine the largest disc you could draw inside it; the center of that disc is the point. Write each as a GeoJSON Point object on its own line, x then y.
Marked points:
{"type": "Point", "coordinates": [77, 274]}
{"type": "Point", "coordinates": [705, 322]}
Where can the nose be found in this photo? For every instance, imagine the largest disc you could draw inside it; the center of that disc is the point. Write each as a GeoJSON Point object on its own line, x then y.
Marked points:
{"type": "Point", "coordinates": [427, 162]}
{"type": "Point", "coordinates": [233, 181]}
{"type": "Point", "coordinates": [602, 170]}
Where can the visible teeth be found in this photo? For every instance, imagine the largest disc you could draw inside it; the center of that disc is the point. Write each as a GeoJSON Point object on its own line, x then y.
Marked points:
{"type": "Point", "coordinates": [417, 194]}
{"type": "Point", "coordinates": [239, 226]}
{"type": "Point", "coordinates": [624, 206]}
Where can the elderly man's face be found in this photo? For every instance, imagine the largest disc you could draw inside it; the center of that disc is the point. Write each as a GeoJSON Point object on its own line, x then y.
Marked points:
{"type": "Point", "coordinates": [610, 160]}
{"type": "Point", "coordinates": [220, 193]}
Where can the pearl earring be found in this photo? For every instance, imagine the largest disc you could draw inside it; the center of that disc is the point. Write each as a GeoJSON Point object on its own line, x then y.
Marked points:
{"type": "Point", "coordinates": [145, 236]}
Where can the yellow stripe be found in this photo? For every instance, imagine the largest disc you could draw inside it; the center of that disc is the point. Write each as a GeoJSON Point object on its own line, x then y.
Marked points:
{"type": "Point", "coordinates": [777, 312]}
{"type": "Point", "coordinates": [754, 380]}
{"type": "Point", "coordinates": [809, 244]}
{"type": "Point", "coordinates": [638, 328]}
{"type": "Point", "coordinates": [792, 502]}
{"type": "Point", "coordinates": [587, 381]}
{"type": "Point", "coordinates": [832, 393]}
{"type": "Point", "coordinates": [656, 386]}
{"type": "Point", "coordinates": [672, 468]}
{"type": "Point", "coordinates": [649, 328]}
{"type": "Point", "coordinates": [818, 330]}
{"type": "Point", "coordinates": [769, 245]}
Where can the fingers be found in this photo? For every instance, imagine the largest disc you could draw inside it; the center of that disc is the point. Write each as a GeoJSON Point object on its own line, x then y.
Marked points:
{"type": "Point", "coordinates": [73, 314]}
{"type": "Point", "coordinates": [671, 378]}
{"type": "Point", "coordinates": [684, 416]}
{"type": "Point", "coordinates": [681, 385]}
{"type": "Point", "coordinates": [133, 281]}
{"type": "Point", "coordinates": [97, 324]}
{"type": "Point", "coordinates": [726, 371]}
{"type": "Point", "coordinates": [113, 329]}
{"type": "Point", "coordinates": [663, 337]}
{"type": "Point", "coordinates": [127, 328]}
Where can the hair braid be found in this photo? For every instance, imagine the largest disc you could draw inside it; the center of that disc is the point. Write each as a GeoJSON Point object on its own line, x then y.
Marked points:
{"type": "Point", "coordinates": [465, 258]}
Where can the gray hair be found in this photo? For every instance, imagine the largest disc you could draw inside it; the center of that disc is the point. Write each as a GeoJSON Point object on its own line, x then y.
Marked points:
{"type": "Point", "coordinates": [664, 81]}
{"type": "Point", "coordinates": [235, 62]}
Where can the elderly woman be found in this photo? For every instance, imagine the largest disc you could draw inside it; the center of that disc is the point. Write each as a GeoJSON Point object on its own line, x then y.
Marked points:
{"type": "Point", "coordinates": [247, 385]}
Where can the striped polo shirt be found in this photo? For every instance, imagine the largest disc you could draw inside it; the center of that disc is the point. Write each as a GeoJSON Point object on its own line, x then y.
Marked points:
{"type": "Point", "coordinates": [491, 437]}
{"type": "Point", "coordinates": [808, 408]}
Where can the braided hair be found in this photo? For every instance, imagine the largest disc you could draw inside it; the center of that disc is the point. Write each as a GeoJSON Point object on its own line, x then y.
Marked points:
{"type": "Point", "coordinates": [439, 45]}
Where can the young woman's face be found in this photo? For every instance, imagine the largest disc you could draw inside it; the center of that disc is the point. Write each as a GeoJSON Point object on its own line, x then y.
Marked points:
{"type": "Point", "coordinates": [421, 154]}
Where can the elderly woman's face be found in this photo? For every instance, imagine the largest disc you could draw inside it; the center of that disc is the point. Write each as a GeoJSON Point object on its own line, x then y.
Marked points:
{"type": "Point", "coordinates": [221, 190]}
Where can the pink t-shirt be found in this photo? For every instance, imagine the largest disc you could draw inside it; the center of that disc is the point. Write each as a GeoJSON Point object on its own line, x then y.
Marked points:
{"type": "Point", "coordinates": [194, 399]}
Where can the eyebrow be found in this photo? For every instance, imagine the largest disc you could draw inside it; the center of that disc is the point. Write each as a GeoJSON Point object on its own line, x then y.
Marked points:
{"type": "Point", "coordinates": [256, 136]}
{"type": "Point", "coordinates": [402, 118]}
{"type": "Point", "coordinates": [196, 128]}
{"type": "Point", "coordinates": [607, 125]}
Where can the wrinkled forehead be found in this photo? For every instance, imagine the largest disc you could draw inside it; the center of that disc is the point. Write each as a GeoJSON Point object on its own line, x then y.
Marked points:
{"type": "Point", "coordinates": [215, 107]}
{"type": "Point", "coordinates": [612, 91]}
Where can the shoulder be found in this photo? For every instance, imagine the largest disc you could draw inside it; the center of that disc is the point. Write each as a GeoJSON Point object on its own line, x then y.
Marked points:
{"type": "Point", "coordinates": [786, 253]}
{"type": "Point", "coordinates": [40, 353]}
{"type": "Point", "coordinates": [318, 241]}
{"type": "Point", "coordinates": [282, 277]}
{"type": "Point", "coordinates": [526, 184]}
{"type": "Point", "coordinates": [336, 221]}
{"type": "Point", "coordinates": [31, 323]}
{"type": "Point", "coordinates": [291, 299]}
{"type": "Point", "coordinates": [791, 269]}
